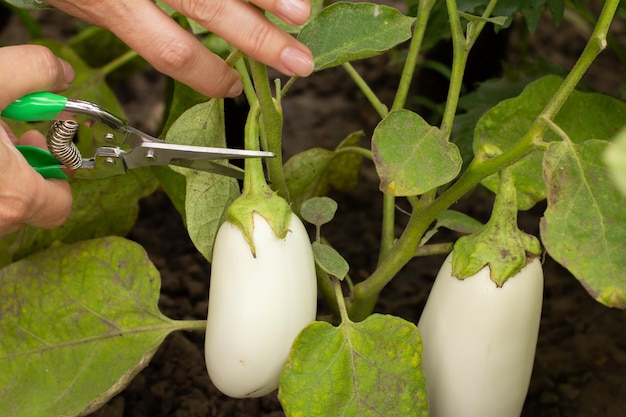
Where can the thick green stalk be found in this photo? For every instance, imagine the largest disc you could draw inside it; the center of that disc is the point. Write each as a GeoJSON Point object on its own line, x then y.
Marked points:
{"type": "Point", "coordinates": [254, 177]}
{"type": "Point", "coordinates": [272, 126]}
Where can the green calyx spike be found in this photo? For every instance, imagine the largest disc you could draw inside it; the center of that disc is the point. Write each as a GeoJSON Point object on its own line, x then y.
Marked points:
{"type": "Point", "coordinates": [257, 197]}
{"type": "Point", "coordinates": [500, 244]}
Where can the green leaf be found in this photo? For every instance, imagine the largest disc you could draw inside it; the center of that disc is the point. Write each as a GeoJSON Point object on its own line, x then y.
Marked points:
{"type": "Point", "coordinates": [305, 175]}
{"type": "Point", "coordinates": [371, 368]}
{"type": "Point", "coordinates": [77, 323]}
{"type": "Point", "coordinates": [207, 196]}
{"type": "Point", "coordinates": [345, 167]}
{"type": "Point", "coordinates": [615, 159]}
{"type": "Point", "coordinates": [330, 261]}
{"type": "Point", "coordinates": [411, 156]}
{"type": "Point", "coordinates": [584, 227]}
{"type": "Point", "coordinates": [318, 210]}
{"type": "Point", "coordinates": [311, 173]}
{"type": "Point", "coordinates": [344, 32]}
{"type": "Point", "coordinates": [584, 116]}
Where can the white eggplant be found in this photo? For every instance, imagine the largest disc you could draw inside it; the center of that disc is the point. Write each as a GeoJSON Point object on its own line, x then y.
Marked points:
{"type": "Point", "coordinates": [257, 305]}
{"type": "Point", "coordinates": [479, 342]}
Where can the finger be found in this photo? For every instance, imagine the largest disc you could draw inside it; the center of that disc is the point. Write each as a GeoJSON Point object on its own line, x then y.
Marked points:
{"type": "Point", "coordinates": [26, 197]}
{"type": "Point", "coordinates": [293, 12]}
{"type": "Point", "coordinates": [161, 41]}
{"type": "Point", "coordinates": [53, 203]}
{"type": "Point", "coordinates": [32, 68]}
{"type": "Point", "coordinates": [9, 134]}
{"type": "Point", "coordinates": [33, 138]}
{"type": "Point", "coordinates": [254, 34]}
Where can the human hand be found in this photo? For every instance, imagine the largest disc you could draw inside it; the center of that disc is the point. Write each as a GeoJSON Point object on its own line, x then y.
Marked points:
{"type": "Point", "coordinates": [25, 196]}
{"type": "Point", "coordinates": [177, 53]}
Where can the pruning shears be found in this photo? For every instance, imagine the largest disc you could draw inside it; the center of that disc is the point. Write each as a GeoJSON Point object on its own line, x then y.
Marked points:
{"type": "Point", "coordinates": [140, 149]}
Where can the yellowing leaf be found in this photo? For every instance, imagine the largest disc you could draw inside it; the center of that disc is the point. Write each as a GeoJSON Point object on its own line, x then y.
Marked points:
{"type": "Point", "coordinates": [584, 227]}
{"type": "Point", "coordinates": [411, 156]}
{"type": "Point", "coordinates": [77, 323]}
{"type": "Point", "coordinates": [371, 368]}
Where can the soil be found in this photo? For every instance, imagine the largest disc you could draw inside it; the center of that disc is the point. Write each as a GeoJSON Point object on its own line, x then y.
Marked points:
{"type": "Point", "coordinates": [580, 366]}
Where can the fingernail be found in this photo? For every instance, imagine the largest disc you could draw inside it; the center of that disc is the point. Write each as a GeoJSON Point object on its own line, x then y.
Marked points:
{"type": "Point", "coordinates": [297, 61]}
{"type": "Point", "coordinates": [296, 11]}
{"type": "Point", "coordinates": [235, 89]}
{"type": "Point", "coordinates": [68, 71]}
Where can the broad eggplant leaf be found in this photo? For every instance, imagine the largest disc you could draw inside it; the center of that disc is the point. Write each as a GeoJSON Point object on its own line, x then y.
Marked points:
{"type": "Point", "coordinates": [344, 32]}
{"type": "Point", "coordinates": [371, 368]}
{"type": "Point", "coordinates": [584, 226]}
{"type": "Point", "coordinates": [78, 322]}
{"type": "Point", "coordinates": [207, 195]}
{"type": "Point", "coordinates": [311, 173]}
{"type": "Point", "coordinates": [101, 207]}
{"type": "Point", "coordinates": [584, 116]}
{"type": "Point", "coordinates": [182, 99]}
{"type": "Point", "coordinates": [345, 167]}
{"type": "Point", "coordinates": [411, 156]}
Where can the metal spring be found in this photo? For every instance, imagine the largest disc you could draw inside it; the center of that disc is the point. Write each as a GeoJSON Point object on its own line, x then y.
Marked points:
{"type": "Point", "coordinates": [60, 144]}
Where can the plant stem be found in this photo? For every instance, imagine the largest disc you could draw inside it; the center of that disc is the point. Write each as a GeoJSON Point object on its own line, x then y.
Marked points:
{"type": "Point", "coordinates": [246, 81]}
{"type": "Point", "coordinates": [423, 14]}
{"type": "Point", "coordinates": [118, 62]}
{"type": "Point", "coordinates": [189, 325]}
{"type": "Point", "coordinates": [254, 177]}
{"type": "Point", "coordinates": [461, 46]}
{"type": "Point", "coordinates": [434, 249]}
{"type": "Point", "coordinates": [273, 127]}
{"type": "Point", "coordinates": [365, 153]}
{"type": "Point", "coordinates": [341, 302]}
{"type": "Point", "coordinates": [84, 34]}
{"type": "Point", "coordinates": [380, 108]}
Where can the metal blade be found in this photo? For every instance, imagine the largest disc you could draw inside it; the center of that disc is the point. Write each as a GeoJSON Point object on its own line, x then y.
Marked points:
{"type": "Point", "coordinates": [210, 166]}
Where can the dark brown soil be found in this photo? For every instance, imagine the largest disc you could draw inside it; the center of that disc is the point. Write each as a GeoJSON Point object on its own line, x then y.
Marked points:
{"type": "Point", "coordinates": [580, 368]}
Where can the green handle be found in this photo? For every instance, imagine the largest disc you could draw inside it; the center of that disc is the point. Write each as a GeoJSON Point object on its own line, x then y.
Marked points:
{"type": "Point", "coordinates": [35, 107]}
{"type": "Point", "coordinates": [42, 161]}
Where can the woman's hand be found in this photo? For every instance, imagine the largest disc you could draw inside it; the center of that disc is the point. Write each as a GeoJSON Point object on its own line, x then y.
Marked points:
{"type": "Point", "coordinates": [174, 51]}
{"type": "Point", "coordinates": [25, 196]}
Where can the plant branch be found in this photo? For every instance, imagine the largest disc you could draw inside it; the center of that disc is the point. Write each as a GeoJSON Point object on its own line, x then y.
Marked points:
{"type": "Point", "coordinates": [190, 325]}
{"type": "Point", "coordinates": [461, 45]}
{"type": "Point", "coordinates": [118, 62]}
{"type": "Point", "coordinates": [378, 105]}
{"type": "Point", "coordinates": [272, 126]}
{"type": "Point", "coordinates": [434, 249]}
{"type": "Point", "coordinates": [423, 14]}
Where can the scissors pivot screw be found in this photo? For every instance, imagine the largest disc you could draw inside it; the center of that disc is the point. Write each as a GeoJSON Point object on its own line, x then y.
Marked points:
{"type": "Point", "coordinates": [150, 155]}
